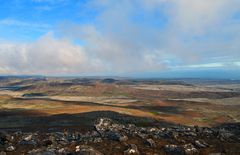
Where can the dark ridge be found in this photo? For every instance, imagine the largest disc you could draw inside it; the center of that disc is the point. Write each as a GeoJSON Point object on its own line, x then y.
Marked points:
{"type": "Point", "coordinates": [29, 87]}
{"type": "Point", "coordinates": [67, 102]}
{"type": "Point", "coordinates": [108, 81]}
{"type": "Point", "coordinates": [13, 88]}
{"type": "Point", "coordinates": [81, 80]}
{"type": "Point", "coordinates": [31, 121]}
{"type": "Point", "coordinates": [160, 109]}
{"type": "Point", "coordinates": [34, 95]}
{"type": "Point", "coordinates": [165, 82]}
{"type": "Point", "coordinates": [60, 84]}
{"type": "Point", "coordinates": [28, 81]}
{"type": "Point", "coordinates": [233, 127]}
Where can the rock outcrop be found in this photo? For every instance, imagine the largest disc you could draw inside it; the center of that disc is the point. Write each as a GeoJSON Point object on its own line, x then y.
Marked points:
{"type": "Point", "coordinates": [110, 137]}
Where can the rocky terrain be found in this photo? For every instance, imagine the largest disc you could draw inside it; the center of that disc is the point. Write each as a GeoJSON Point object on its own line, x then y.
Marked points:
{"type": "Point", "coordinates": [111, 137]}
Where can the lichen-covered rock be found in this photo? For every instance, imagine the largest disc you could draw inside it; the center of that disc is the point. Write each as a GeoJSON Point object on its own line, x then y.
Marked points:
{"type": "Point", "coordinates": [102, 124]}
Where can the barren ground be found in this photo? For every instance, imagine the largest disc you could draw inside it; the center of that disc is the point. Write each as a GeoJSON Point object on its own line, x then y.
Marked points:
{"type": "Point", "coordinates": [187, 104]}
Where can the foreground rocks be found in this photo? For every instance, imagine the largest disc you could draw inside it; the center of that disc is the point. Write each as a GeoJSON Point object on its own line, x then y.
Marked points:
{"type": "Point", "coordinates": [110, 137]}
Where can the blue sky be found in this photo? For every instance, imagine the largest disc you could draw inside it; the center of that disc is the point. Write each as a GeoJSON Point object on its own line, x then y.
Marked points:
{"type": "Point", "coordinates": [127, 37]}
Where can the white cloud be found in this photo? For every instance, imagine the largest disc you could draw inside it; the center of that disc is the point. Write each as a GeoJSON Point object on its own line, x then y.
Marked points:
{"type": "Point", "coordinates": [208, 65]}
{"type": "Point", "coordinates": [195, 16]}
{"type": "Point", "coordinates": [119, 38]}
{"type": "Point", "coordinates": [237, 63]}
{"type": "Point", "coordinates": [201, 15]}
{"type": "Point", "coordinates": [46, 56]}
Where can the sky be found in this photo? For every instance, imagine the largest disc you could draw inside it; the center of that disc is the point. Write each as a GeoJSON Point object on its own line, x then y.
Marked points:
{"type": "Point", "coordinates": [143, 38]}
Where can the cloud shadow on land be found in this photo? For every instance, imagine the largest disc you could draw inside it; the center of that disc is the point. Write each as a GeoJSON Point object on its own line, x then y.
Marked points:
{"type": "Point", "coordinates": [20, 119]}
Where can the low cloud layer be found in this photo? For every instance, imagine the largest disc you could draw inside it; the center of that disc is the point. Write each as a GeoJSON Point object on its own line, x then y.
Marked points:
{"type": "Point", "coordinates": [47, 55]}
{"type": "Point", "coordinates": [132, 36]}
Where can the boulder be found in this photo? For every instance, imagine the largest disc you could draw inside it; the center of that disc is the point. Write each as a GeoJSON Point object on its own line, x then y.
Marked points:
{"type": "Point", "coordinates": [224, 134]}
{"type": "Point", "coordinates": [97, 140]}
{"type": "Point", "coordinates": [132, 150]}
{"type": "Point", "coordinates": [10, 148]}
{"type": "Point", "coordinates": [28, 137]}
{"type": "Point", "coordinates": [3, 137]}
{"type": "Point", "coordinates": [32, 142]}
{"type": "Point", "coordinates": [86, 150]}
{"type": "Point", "coordinates": [173, 150]}
{"type": "Point", "coordinates": [117, 136]}
{"type": "Point", "coordinates": [150, 143]}
{"type": "Point", "coordinates": [47, 142]}
{"type": "Point", "coordinates": [41, 152]}
{"type": "Point", "coordinates": [200, 144]}
{"type": "Point", "coordinates": [102, 125]}
{"type": "Point", "coordinates": [189, 149]}
{"type": "Point", "coordinates": [61, 151]}
{"type": "Point", "coordinates": [3, 153]}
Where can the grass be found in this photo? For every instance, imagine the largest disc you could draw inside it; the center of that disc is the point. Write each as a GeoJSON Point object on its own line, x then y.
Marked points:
{"type": "Point", "coordinates": [204, 119]}
{"type": "Point", "coordinates": [154, 112]}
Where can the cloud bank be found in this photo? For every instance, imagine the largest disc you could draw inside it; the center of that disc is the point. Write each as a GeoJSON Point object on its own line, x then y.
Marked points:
{"type": "Point", "coordinates": [133, 36]}
{"type": "Point", "coordinates": [47, 55]}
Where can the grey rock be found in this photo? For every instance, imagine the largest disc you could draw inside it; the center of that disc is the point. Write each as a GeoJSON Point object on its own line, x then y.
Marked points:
{"type": "Point", "coordinates": [63, 142]}
{"type": "Point", "coordinates": [123, 138]}
{"type": "Point", "coordinates": [61, 151]}
{"type": "Point", "coordinates": [64, 151]}
{"type": "Point", "coordinates": [189, 149]}
{"type": "Point", "coordinates": [47, 142]}
{"type": "Point", "coordinates": [200, 144]}
{"type": "Point", "coordinates": [32, 142]}
{"type": "Point", "coordinates": [102, 124]}
{"type": "Point", "coordinates": [173, 150]}
{"type": "Point", "coordinates": [198, 129]}
{"type": "Point", "coordinates": [150, 143]}
{"type": "Point", "coordinates": [131, 128]}
{"type": "Point", "coordinates": [28, 137]}
{"type": "Point", "coordinates": [132, 150]}
{"type": "Point", "coordinates": [18, 133]}
{"type": "Point", "coordinates": [153, 130]}
{"type": "Point", "coordinates": [3, 153]}
{"type": "Point", "coordinates": [97, 140]}
{"type": "Point", "coordinates": [10, 148]}
{"type": "Point", "coordinates": [87, 150]}
{"type": "Point", "coordinates": [207, 131]}
{"type": "Point", "coordinates": [142, 135]}
{"type": "Point", "coordinates": [3, 137]}
{"type": "Point", "coordinates": [117, 136]}
{"type": "Point", "coordinates": [41, 152]}
{"type": "Point", "coordinates": [224, 134]}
